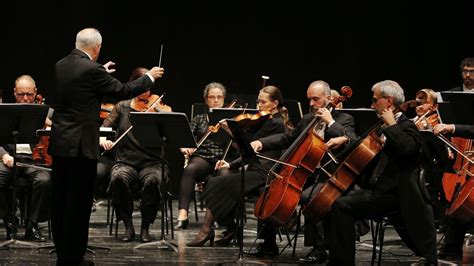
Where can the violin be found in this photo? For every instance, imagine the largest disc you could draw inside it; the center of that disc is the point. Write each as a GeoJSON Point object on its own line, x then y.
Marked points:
{"type": "Point", "coordinates": [145, 105]}
{"type": "Point", "coordinates": [252, 121]}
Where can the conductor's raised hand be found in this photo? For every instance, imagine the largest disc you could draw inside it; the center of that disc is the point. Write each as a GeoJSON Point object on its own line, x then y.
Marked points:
{"type": "Point", "coordinates": [156, 72]}
{"type": "Point", "coordinates": [108, 66]}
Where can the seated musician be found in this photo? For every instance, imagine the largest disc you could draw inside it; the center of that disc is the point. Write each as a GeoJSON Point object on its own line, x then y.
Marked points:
{"type": "Point", "coordinates": [222, 193]}
{"type": "Point", "coordinates": [201, 161]}
{"type": "Point", "coordinates": [25, 92]}
{"type": "Point", "coordinates": [336, 129]}
{"type": "Point", "coordinates": [456, 229]}
{"type": "Point", "coordinates": [133, 165]}
{"type": "Point", "coordinates": [392, 186]}
{"type": "Point", "coordinates": [435, 160]}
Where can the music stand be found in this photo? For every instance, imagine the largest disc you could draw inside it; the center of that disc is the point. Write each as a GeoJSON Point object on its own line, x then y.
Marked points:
{"type": "Point", "coordinates": [460, 106]}
{"type": "Point", "coordinates": [19, 125]}
{"type": "Point", "coordinates": [217, 114]}
{"type": "Point", "coordinates": [156, 130]}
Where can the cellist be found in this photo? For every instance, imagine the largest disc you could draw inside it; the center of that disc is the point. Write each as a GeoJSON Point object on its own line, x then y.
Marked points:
{"type": "Point", "coordinates": [435, 158]}
{"type": "Point", "coordinates": [337, 130]}
{"type": "Point", "coordinates": [451, 248]}
{"type": "Point", "coordinates": [392, 186]}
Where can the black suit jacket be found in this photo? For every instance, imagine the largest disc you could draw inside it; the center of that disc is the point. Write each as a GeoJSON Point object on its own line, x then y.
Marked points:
{"type": "Point", "coordinates": [464, 131]}
{"type": "Point", "coordinates": [400, 157]}
{"type": "Point", "coordinates": [344, 125]}
{"type": "Point", "coordinates": [80, 86]}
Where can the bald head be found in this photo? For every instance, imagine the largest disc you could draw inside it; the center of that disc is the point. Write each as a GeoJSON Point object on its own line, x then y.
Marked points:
{"type": "Point", "coordinates": [318, 94]}
{"type": "Point", "coordinates": [25, 89]}
{"type": "Point", "coordinates": [89, 40]}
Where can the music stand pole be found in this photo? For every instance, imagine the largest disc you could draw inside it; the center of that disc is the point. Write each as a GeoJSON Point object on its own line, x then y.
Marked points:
{"type": "Point", "coordinates": [158, 130]}
{"type": "Point", "coordinates": [27, 118]}
{"type": "Point", "coordinates": [163, 242]}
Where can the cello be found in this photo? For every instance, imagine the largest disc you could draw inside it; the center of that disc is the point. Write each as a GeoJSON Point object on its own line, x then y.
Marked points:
{"type": "Point", "coordinates": [345, 174]}
{"type": "Point", "coordinates": [282, 195]}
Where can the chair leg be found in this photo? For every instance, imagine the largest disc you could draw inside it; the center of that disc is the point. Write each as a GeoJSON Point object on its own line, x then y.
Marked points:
{"type": "Point", "coordinates": [298, 228]}
{"type": "Point", "coordinates": [375, 234]}
{"type": "Point", "coordinates": [111, 221]}
{"type": "Point", "coordinates": [171, 214]}
{"type": "Point", "coordinates": [381, 237]}
{"type": "Point", "coordinates": [108, 210]}
{"type": "Point", "coordinates": [195, 207]}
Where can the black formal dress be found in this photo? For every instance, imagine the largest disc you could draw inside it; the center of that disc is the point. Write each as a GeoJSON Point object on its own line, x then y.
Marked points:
{"type": "Point", "coordinates": [74, 144]}
{"type": "Point", "coordinates": [222, 193]}
{"type": "Point", "coordinates": [202, 161]}
{"type": "Point", "coordinates": [393, 189]}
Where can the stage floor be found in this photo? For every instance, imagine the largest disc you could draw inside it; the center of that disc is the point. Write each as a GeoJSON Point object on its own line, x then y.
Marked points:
{"type": "Point", "coordinates": [394, 251]}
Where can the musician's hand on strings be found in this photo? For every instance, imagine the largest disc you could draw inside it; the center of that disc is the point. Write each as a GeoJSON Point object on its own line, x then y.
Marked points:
{"type": "Point", "coordinates": [187, 151]}
{"type": "Point", "coordinates": [221, 164]}
{"type": "Point", "coordinates": [106, 144]}
{"type": "Point", "coordinates": [256, 145]}
{"type": "Point", "coordinates": [108, 66]}
{"type": "Point", "coordinates": [7, 160]}
{"type": "Point", "coordinates": [156, 72]}
{"type": "Point", "coordinates": [443, 129]}
{"type": "Point", "coordinates": [325, 115]}
{"type": "Point", "coordinates": [388, 117]}
{"type": "Point", "coordinates": [336, 142]}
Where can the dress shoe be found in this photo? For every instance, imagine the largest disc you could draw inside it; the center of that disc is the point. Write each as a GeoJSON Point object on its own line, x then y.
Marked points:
{"type": "Point", "coordinates": [226, 239]}
{"type": "Point", "coordinates": [315, 256]}
{"type": "Point", "coordinates": [145, 234]}
{"type": "Point", "coordinates": [34, 234]}
{"type": "Point", "coordinates": [129, 236]}
{"type": "Point", "coordinates": [181, 224]}
{"type": "Point", "coordinates": [267, 250]}
{"type": "Point", "coordinates": [200, 241]}
{"type": "Point", "coordinates": [449, 254]}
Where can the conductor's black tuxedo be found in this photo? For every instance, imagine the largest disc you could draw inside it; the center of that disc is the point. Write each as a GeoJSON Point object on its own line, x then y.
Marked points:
{"type": "Point", "coordinates": [80, 85]}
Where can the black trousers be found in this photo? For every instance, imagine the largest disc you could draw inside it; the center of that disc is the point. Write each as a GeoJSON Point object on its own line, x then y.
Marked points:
{"type": "Point", "coordinates": [72, 193]}
{"type": "Point", "coordinates": [40, 194]}
{"type": "Point", "coordinates": [147, 178]}
{"type": "Point", "coordinates": [360, 204]}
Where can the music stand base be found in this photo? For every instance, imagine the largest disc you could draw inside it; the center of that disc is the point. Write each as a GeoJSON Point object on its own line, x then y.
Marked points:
{"type": "Point", "coordinates": [162, 243]}
{"type": "Point", "coordinates": [7, 244]}
{"type": "Point", "coordinates": [89, 249]}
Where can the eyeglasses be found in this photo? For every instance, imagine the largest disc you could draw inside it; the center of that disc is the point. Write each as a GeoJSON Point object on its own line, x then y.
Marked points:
{"type": "Point", "coordinates": [215, 97]}
{"type": "Point", "coordinates": [468, 71]}
{"type": "Point", "coordinates": [25, 94]}
{"type": "Point", "coordinates": [375, 100]}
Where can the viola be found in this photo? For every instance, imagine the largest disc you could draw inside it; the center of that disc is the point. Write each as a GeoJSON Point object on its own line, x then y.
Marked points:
{"type": "Point", "coordinates": [40, 151]}
{"type": "Point", "coordinates": [280, 198]}
{"type": "Point", "coordinates": [152, 104]}
{"type": "Point", "coordinates": [105, 110]}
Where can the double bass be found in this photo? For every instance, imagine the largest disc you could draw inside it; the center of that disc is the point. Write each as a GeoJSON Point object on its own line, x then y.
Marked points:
{"type": "Point", "coordinates": [279, 200]}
